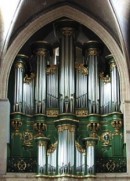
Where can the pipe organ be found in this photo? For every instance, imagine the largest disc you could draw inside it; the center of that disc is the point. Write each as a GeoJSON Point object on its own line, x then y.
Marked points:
{"type": "Point", "coordinates": [66, 117]}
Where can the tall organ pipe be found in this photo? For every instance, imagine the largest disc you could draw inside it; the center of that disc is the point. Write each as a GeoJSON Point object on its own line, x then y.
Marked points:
{"type": "Point", "coordinates": [19, 74]}
{"type": "Point", "coordinates": [66, 34]}
{"type": "Point", "coordinates": [92, 51]}
{"type": "Point", "coordinates": [66, 144]}
{"type": "Point", "coordinates": [41, 51]}
{"type": "Point", "coordinates": [52, 80]}
{"type": "Point", "coordinates": [115, 84]}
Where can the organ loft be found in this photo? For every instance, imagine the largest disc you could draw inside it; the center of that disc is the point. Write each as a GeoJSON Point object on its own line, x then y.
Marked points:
{"type": "Point", "coordinates": [65, 108]}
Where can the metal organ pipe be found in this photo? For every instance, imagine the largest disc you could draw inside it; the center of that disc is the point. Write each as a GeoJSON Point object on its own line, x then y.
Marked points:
{"type": "Point", "coordinates": [66, 144]}
{"type": "Point", "coordinates": [90, 152]}
{"type": "Point", "coordinates": [66, 34]}
{"type": "Point", "coordinates": [18, 90]}
{"type": "Point", "coordinates": [92, 51]}
{"type": "Point", "coordinates": [52, 81]}
{"type": "Point", "coordinates": [28, 94]}
{"type": "Point", "coordinates": [41, 50]}
{"type": "Point", "coordinates": [115, 85]}
{"type": "Point", "coordinates": [42, 153]}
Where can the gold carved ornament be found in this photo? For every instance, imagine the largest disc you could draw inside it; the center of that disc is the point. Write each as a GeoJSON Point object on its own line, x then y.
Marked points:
{"type": "Point", "coordinates": [93, 52]}
{"type": "Point", "coordinates": [52, 148]}
{"type": "Point", "coordinates": [117, 124]}
{"type": "Point", "coordinates": [16, 124]}
{"type": "Point", "coordinates": [105, 138]}
{"type": "Point", "coordinates": [81, 68]}
{"type": "Point", "coordinates": [41, 51]}
{"type": "Point", "coordinates": [52, 113]}
{"type": "Point", "coordinates": [40, 128]}
{"type": "Point", "coordinates": [112, 65]}
{"type": "Point", "coordinates": [27, 138]}
{"type": "Point", "coordinates": [79, 147]}
{"type": "Point", "coordinates": [81, 112]}
{"type": "Point", "coordinates": [21, 165]}
{"type": "Point", "coordinates": [28, 79]}
{"type": "Point", "coordinates": [106, 79]}
{"type": "Point", "coordinates": [68, 127]}
{"type": "Point", "coordinates": [93, 127]}
{"type": "Point", "coordinates": [19, 65]}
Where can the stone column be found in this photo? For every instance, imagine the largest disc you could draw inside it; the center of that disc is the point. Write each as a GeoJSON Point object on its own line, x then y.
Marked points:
{"type": "Point", "coordinates": [4, 134]}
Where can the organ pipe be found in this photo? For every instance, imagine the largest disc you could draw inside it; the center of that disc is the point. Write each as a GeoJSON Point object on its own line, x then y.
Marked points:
{"type": "Point", "coordinates": [66, 34]}
{"type": "Point", "coordinates": [18, 90]}
{"type": "Point", "coordinates": [28, 94]}
{"type": "Point", "coordinates": [52, 81]}
{"type": "Point", "coordinates": [66, 143]}
{"type": "Point", "coordinates": [90, 153]}
{"type": "Point", "coordinates": [92, 51]}
{"type": "Point", "coordinates": [115, 86]}
{"type": "Point", "coordinates": [41, 50]}
{"type": "Point", "coordinates": [42, 153]}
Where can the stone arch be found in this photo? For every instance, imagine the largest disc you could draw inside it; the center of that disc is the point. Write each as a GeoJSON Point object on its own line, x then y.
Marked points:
{"type": "Point", "coordinates": [100, 31]}
{"type": "Point", "coordinates": [44, 19]}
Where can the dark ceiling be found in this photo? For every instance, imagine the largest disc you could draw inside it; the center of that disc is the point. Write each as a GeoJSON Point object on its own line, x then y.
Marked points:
{"type": "Point", "coordinates": [104, 12]}
{"type": "Point", "coordinates": [99, 10]}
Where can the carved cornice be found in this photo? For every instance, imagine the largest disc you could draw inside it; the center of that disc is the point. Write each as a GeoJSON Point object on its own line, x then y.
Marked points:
{"type": "Point", "coordinates": [68, 127]}
{"type": "Point", "coordinates": [52, 112]}
{"type": "Point", "coordinates": [81, 112]}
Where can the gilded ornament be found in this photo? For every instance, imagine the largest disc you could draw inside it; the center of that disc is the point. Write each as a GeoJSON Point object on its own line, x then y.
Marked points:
{"type": "Point", "coordinates": [42, 143]}
{"type": "Point", "coordinates": [27, 138]}
{"type": "Point", "coordinates": [28, 79]}
{"type": "Point", "coordinates": [41, 51]}
{"type": "Point", "coordinates": [16, 124]}
{"type": "Point", "coordinates": [21, 165]}
{"type": "Point", "coordinates": [52, 148]}
{"type": "Point", "coordinates": [117, 124]}
{"type": "Point", "coordinates": [105, 138]}
{"type": "Point", "coordinates": [40, 128]}
{"type": "Point", "coordinates": [93, 127]}
{"type": "Point", "coordinates": [93, 52]}
{"type": "Point", "coordinates": [79, 147]}
{"type": "Point", "coordinates": [81, 112]}
{"type": "Point", "coordinates": [52, 113]}
{"type": "Point", "coordinates": [110, 165]}
{"type": "Point", "coordinates": [19, 65]}
{"type": "Point", "coordinates": [68, 127]}
{"type": "Point", "coordinates": [81, 68]}
{"type": "Point", "coordinates": [107, 79]}
{"type": "Point", "coordinates": [112, 65]}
